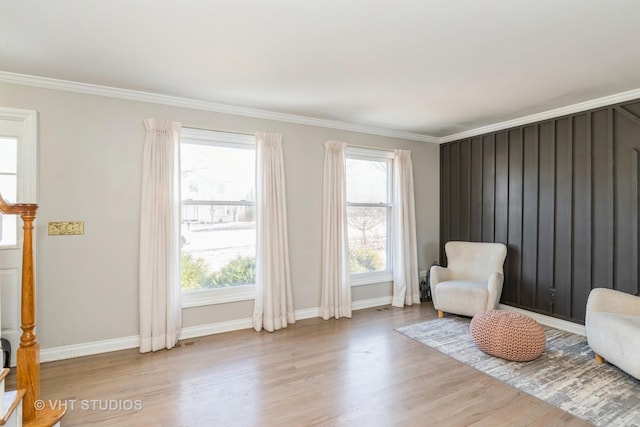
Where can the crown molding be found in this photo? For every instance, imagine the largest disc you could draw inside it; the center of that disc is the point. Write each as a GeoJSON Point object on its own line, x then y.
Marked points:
{"type": "Point", "coordinates": [175, 101]}
{"type": "Point", "coordinates": [545, 115]}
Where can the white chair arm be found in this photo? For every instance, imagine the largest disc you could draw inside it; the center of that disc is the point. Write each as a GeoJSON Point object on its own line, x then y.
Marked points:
{"type": "Point", "coordinates": [438, 274]}
{"type": "Point", "coordinates": [495, 281]}
{"type": "Point", "coordinates": [494, 284]}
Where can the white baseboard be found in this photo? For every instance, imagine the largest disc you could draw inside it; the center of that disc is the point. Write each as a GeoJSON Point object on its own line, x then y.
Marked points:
{"type": "Point", "coordinates": [371, 302]}
{"type": "Point", "coordinates": [87, 349]}
{"type": "Point", "coordinates": [215, 328]}
{"type": "Point", "coordinates": [105, 346]}
{"type": "Point", "coordinates": [548, 320]}
{"type": "Point", "coordinates": [307, 313]}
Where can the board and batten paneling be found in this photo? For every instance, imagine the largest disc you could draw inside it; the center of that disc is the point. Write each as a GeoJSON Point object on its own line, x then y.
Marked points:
{"type": "Point", "coordinates": [562, 194]}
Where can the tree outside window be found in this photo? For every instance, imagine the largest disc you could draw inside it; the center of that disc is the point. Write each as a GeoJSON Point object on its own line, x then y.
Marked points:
{"type": "Point", "coordinates": [369, 211]}
{"type": "Point", "coordinates": [218, 229]}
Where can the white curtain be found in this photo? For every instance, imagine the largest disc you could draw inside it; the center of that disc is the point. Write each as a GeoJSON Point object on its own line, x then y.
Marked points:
{"type": "Point", "coordinates": [406, 283]}
{"type": "Point", "coordinates": [335, 299]}
{"type": "Point", "coordinates": [160, 312]}
{"type": "Point", "coordinates": [273, 307]}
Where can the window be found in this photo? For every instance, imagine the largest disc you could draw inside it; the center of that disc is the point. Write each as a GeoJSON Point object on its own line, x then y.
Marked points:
{"type": "Point", "coordinates": [218, 227]}
{"type": "Point", "coordinates": [18, 167]}
{"type": "Point", "coordinates": [369, 215]}
{"type": "Point", "coordinates": [8, 188]}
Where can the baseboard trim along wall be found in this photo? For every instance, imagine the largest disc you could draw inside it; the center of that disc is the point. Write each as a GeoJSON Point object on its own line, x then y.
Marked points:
{"type": "Point", "coordinates": [548, 320]}
{"type": "Point", "coordinates": [105, 346]}
{"type": "Point", "coordinates": [88, 349]}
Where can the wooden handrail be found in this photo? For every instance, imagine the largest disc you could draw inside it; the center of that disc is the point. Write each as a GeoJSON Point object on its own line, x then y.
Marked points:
{"type": "Point", "coordinates": [28, 369]}
{"type": "Point", "coordinates": [17, 208]}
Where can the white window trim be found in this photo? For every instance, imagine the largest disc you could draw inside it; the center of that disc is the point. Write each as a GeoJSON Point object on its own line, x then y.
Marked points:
{"type": "Point", "coordinates": [25, 128]}
{"type": "Point", "coordinates": [27, 151]}
{"type": "Point", "coordinates": [203, 297]}
{"type": "Point", "coordinates": [370, 278]}
{"type": "Point", "coordinates": [217, 137]}
{"type": "Point", "coordinates": [362, 279]}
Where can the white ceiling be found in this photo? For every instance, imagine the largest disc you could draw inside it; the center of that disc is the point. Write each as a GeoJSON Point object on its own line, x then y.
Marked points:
{"type": "Point", "coordinates": [426, 67]}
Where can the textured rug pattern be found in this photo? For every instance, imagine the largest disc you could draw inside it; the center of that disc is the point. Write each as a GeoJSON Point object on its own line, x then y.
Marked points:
{"type": "Point", "coordinates": [565, 375]}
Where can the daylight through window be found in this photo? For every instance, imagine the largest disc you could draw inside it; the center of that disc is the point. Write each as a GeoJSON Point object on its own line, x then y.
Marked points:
{"type": "Point", "coordinates": [369, 220]}
{"type": "Point", "coordinates": [8, 188]}
{"type": "Point", "coordinates": [218, 228]}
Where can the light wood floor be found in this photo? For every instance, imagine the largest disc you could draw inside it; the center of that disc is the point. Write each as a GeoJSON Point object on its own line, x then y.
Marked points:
{"type": "Point", "coordinates": [347, 372]}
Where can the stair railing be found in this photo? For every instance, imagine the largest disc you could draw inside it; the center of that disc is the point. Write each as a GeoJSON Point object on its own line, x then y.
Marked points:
{"type": "Point", "coordinates": [28, 353]}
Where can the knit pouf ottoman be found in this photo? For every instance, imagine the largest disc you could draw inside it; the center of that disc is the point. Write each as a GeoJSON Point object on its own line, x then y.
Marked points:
{"type": "Point", "coordinates": [508, 335]}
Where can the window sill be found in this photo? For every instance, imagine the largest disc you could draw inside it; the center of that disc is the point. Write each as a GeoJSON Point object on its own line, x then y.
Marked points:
{"type": "Point", "coordinates": [362, 279]}
{"type": "Point", "coordinates": [202, 297]}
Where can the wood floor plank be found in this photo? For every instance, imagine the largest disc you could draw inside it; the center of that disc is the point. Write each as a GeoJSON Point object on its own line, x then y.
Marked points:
{"type": "Point", "coordinates": [347, 372]}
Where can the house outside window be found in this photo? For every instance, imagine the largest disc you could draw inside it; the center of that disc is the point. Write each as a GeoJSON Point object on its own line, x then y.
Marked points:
{"type": "Point", "coordinates": [218, 218]}
{"type": "Point", "coordinates": [369, 215]}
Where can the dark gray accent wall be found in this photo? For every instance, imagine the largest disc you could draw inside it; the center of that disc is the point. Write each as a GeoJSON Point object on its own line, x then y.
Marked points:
{"type": "Point", "coordinates": [562, 194]}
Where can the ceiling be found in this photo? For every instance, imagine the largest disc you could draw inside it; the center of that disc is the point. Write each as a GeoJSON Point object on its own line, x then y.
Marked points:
{"type": "Point", "coordinates": [430, 68]}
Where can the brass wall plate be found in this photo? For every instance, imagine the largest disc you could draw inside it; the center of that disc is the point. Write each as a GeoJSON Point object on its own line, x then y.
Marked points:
{"type": "Point", "coordinates": [69, 228]}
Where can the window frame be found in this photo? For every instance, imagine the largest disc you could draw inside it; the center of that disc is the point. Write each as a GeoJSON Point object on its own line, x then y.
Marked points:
{"type": "Point", "coordinates": [203, 297]}
{"type": "Point", "coordinates": [11, 132]}
{"type": "Point", "coordinates": [372, 154]}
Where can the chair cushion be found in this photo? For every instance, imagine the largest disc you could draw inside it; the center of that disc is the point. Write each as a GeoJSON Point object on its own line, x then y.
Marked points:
{"type": "Point", "coordinates": [508, 335]}
{"type": "Point", "coordinates": [464, 297]}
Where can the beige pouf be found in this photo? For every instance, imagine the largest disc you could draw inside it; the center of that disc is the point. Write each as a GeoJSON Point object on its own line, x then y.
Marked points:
{"type": "Point", "coordinates": [509, 335]}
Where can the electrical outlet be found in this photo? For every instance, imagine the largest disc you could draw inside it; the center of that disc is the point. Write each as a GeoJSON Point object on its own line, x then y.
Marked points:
{"type": "Point", "coordinates": [69, 228]}
{"type": "Point", "coordinates": [552, 294]}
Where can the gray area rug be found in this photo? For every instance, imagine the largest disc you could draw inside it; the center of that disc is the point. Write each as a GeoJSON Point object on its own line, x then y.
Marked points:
{"type": "Point", "coordinates": [565, 376]}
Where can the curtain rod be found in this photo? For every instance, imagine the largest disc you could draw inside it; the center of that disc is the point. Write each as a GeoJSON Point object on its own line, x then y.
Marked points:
{"type": "Point", "coordinates": [369, 147]}
{"type": "Point", "coordinates": [366, 147]}
{"type": "Point", "coordinates": [218, 130]}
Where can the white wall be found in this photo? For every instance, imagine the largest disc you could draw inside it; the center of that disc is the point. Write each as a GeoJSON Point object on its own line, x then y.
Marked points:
{"type": "Point", "coordinates": [90, 151]}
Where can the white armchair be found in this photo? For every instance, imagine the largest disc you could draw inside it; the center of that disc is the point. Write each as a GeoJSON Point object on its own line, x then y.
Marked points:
{"type": "Point", "coordinates": [613, 328]}
{"type": "Point", "coordinates": [472, 281]}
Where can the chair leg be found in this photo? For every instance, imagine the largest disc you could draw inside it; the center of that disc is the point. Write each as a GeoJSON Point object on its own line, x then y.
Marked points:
{"type": "Point", "coordinates": [599, 359]}
{"type": "Point", "coordinates": [440, 314]}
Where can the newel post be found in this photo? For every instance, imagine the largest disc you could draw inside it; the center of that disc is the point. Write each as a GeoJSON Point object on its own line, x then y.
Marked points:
{"type": "Point", "coordinates": [28, 370]}
{"type": "Point", "coordinates": [28, 373]}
